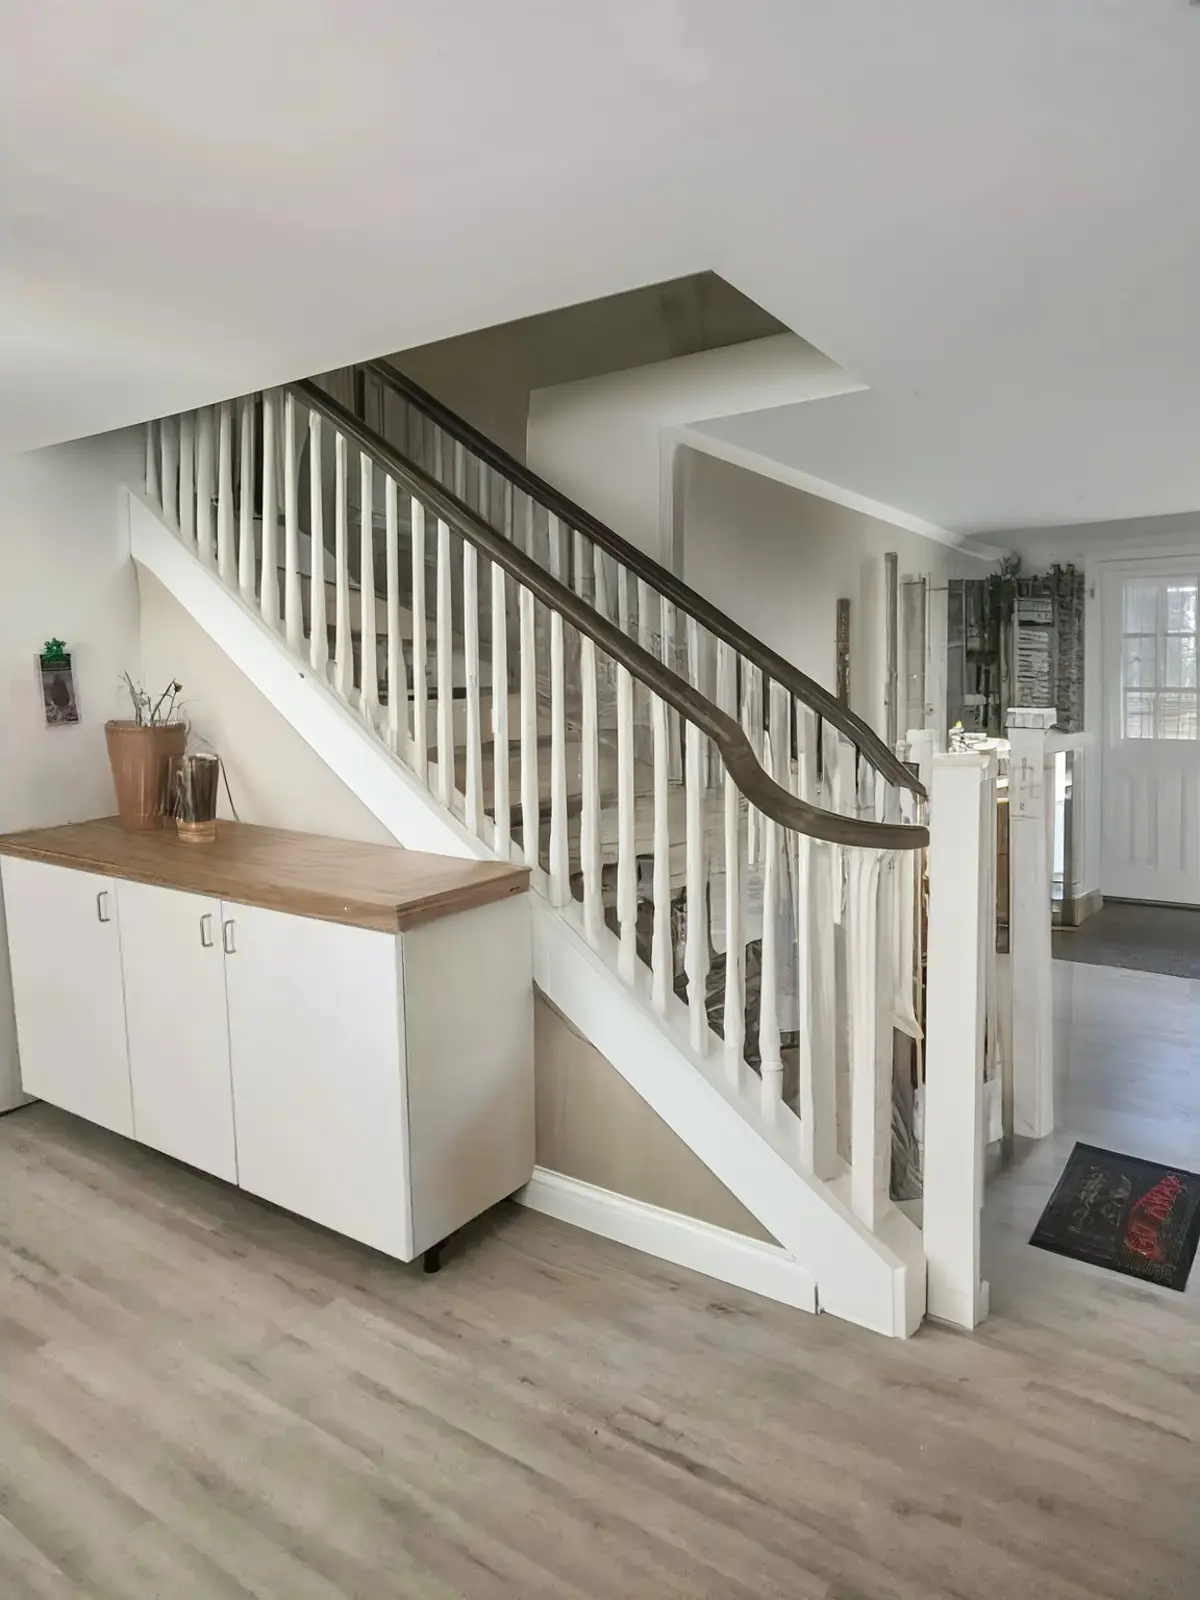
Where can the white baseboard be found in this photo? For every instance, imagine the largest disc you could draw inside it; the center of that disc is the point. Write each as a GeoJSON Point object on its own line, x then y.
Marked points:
{"type": "Point", "coordinates": [753, 1264]}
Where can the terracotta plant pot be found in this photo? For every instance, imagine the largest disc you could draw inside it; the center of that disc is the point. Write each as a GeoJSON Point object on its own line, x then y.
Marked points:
{"type": "Point", "coordinates": [141, 759]}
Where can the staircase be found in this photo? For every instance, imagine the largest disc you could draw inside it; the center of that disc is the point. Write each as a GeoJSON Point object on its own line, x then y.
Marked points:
{"type": "Point", "coordinates": [725, 861]}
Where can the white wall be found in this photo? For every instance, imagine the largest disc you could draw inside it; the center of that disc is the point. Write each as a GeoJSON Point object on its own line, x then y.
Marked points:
{"type": "Point", "coordinates": [610, 443]}
{"type": "Point", "coordinates": [64, 573]}
{"type": "Point", "coordinates": [778, 560]}
{"type": "Point", "coordinates": [274, 777]}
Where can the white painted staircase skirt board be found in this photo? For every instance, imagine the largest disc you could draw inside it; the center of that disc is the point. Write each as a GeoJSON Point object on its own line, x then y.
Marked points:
{"type": "Point", "coordinates": [876, 1279]}
{"type": "Point", "coordinates": [732, 1258]}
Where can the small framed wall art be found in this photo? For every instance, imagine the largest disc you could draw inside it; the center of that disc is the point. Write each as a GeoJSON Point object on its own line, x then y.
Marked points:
{"type": "Point", "coordinates": [57, 679]}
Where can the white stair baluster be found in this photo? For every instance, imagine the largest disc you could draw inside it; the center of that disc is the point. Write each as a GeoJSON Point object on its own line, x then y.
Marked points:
{"type": "Point", "coordinates": [599, 581]}
{"type": "Point", "coordinates": [269, 585]}
{"type": "Point", "coordinates": [696, 951]}
{"type": "Point", "coordinates": [293, 604]}
{"type": "Point", "coordinates": [735, 940]}
{"type": "Point", "coordinates": [816, 1100]}
{"type": "Point", "coordinates": [751, 718]}
{"type": "Point", "coordinates": [205, 485]}
{"type": "Point", "coordinates": [662, 964]}
{"type": "Point", "coordinates": [589, 826]}
{"type": "Point", "coordinates": [769, 1003]}
{"type": "Point", "coordinates": [500, 775]}
{"type": "Point", "coordinates": [560, 886]}
{"type": "Point", "coordinates": [646, 620]}
{"type": "Point", "coordinates": [318, 621]}
{"type": "Point", "coordinates": [343, 647]}
{"type": "Point", "coordinates": [397, 684]}
{"type": "Point", "coordinates": [187, 480]}
{"type": "Point", "coordinates": [369, 645]}
{"type": "Point", "coordinates": [674, 724]}
{"type": "Point", "coordinates": [839, 790]}
{"type": "Point", "coordinates": [626, 828]}
{"type": "Point", "coordinates": [444, 625]}
{"type": "Point", "coordinates": [726, 691]}
{"type": "Point", "coordinates": [168, 439]}
{"type": "Point", "coordinates": [226, 559]}
{"type": "Point", "coordinates": [156, 492]}
{"type": "Point", "coordinates": [474, 809]}
{"type": "Point", "coordinates": [460, 469]}
{"type": "Point", "coordinates": [530, 817]}
{"type": "Point", "coordinates": [509, 495]}
{"type": "Point", "coordinates": [246, 551]}
{"type": "Point", "coordinates": [420, 647]}
{"type": "Point", "coordinates": [824, 914]}
{"type": "Point", "coordinates": [623, 599]}
{"type": "Point", "coordinates": [870, 1084]}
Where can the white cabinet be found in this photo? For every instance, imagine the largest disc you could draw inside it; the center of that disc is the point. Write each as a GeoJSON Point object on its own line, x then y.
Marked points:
{"type": "Point", "coordinates": [317, 1045]}
{"type": "Point", "coordinates": [178, 1026]}
{"type": "Point", "coordinates": [376, 1082]}
{"type": "Point", "coordinates": [65, 950]}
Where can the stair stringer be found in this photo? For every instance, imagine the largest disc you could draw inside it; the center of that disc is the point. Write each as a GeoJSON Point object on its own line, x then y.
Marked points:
{"type": "Point", "coordinates": [876, 1280]}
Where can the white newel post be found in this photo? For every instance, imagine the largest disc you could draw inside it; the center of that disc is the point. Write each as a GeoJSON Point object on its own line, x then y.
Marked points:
{"type": "Point", "coordinates": [962, 790]}
{"type": "Point", "coordinates": [1030, 807]}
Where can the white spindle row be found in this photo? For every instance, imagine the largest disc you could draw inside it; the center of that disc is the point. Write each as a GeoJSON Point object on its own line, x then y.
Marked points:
{"type": "Point", "coordinates": [660, 819]}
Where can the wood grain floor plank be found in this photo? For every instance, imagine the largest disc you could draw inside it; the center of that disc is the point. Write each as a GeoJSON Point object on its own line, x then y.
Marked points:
{"type": "Point", "coordinates": [200, 1396]}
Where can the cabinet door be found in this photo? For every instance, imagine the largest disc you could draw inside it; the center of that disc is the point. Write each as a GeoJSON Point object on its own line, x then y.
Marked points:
{"type": "Point", "coordinates": [65, 949]}
{"type": "Point", "coordinates": [318, 1088]}
{"type": "Point", "coordinates": [178, 1026]}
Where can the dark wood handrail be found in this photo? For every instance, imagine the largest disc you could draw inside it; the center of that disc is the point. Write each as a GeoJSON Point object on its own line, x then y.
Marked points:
{"type": "Point", "coordinates": [660, 578]}
{"type": "Point", "coordinates": [758, 787]}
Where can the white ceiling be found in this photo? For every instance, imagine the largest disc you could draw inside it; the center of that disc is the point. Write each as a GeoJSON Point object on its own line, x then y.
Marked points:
{"type": "Point", "coordinates": [988, 211]}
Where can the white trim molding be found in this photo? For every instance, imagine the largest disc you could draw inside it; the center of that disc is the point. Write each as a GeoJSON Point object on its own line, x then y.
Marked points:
{"type": "Point", "coordinates": [737, 455]}
{"type": "Point", "coordinates": [732, 1258]}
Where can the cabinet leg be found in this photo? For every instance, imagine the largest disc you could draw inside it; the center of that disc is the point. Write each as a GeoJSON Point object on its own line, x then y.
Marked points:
{"type": "Point", "coordinates": [433, 1258]}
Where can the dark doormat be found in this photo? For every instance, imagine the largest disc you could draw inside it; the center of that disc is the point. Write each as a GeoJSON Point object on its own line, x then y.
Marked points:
{"type": "Point", "coordinates": [1127, 1215]}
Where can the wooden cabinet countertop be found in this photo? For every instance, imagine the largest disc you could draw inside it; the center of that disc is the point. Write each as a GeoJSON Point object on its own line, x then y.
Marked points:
{"type": "Point", "coordinates": [334, 880]}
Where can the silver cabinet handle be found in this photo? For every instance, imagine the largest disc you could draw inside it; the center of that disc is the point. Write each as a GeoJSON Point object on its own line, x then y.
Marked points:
{"type": "Point", "coordinates": [206, 934]}
{"type": "Point", "coordinates": [102, 907]}
{"type": "Point", "coordinates": [227, 937]}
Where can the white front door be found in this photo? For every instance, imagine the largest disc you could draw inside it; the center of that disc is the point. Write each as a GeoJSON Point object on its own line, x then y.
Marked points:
{"type": "Point", "coordinates": [1151, 784]}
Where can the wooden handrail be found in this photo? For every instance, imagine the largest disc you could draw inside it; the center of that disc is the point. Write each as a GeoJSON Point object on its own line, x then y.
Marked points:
{"type": "Point", "coordinates": [660, 578]}
{"type": "Point", "coordinates": [758, 787]}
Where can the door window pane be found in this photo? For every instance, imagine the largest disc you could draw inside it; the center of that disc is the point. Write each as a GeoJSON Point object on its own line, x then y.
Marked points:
{"type": "Point", "coordinates": [1181, 608]}
{"type": "Point", "coordinates": [1180, 666]}
{"type": "Point", "coordinates": [1158, 659]}
{"type": "Point", "coordinates": [1141, 608]}
{"type": "Point", "coordinates": [1139, 716]}
{"type": "Point", "coordinates": [1176, 716]}
{"type": "Point", "coordinates": [1141, 663]}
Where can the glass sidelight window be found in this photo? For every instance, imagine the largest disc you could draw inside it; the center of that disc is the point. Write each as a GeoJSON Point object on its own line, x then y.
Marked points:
{"type": "Point", "coordinates": [1158, 676]}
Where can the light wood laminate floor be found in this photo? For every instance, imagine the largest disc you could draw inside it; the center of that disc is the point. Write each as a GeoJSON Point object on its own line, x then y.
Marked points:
{"type": "Point", "coordinates": [200, 1396]}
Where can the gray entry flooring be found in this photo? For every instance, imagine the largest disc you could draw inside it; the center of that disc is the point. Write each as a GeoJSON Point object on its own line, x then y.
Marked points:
{"type": "Point", "coordinates": [200, 1396]}
{"type": "Point", "coordinates": [1143, 938]}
